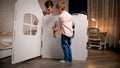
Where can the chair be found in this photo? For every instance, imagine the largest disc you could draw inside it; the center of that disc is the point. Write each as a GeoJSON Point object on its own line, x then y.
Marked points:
{"type": "Point", "coordinates": [94, 39]}
{"type": "Point", "coordinates": [103, 36]}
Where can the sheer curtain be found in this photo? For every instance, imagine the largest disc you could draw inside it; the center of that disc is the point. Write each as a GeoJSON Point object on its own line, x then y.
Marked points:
{"type": "Point", "coordinates": [106, 17]}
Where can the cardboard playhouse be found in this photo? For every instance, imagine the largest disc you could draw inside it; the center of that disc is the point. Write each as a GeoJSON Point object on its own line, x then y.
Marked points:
{"type": "Point", "coordinates": [31, 27]}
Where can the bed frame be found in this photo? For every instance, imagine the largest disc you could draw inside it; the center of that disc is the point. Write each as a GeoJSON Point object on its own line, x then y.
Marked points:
{"type": "Point", "coordinates": [6, 52]}
{"type": "Point", "coordinates": [6, 37]}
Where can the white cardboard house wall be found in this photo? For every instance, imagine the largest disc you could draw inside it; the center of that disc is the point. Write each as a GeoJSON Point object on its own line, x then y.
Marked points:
{"type": "Point", "coordinates": [79, 44]}
{"type": "Point", "coordinates": [26, 46]}
{"type": "Point", "coordinates": [29, 46]}
{"type": "Point", "coordinates": [52, 46]}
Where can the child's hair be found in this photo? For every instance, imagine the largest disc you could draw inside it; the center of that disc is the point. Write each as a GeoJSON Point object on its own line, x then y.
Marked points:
{"type": "Point", "coordinates": [49, 3]}
{"type": "Point", "coordinates": [61, 5]}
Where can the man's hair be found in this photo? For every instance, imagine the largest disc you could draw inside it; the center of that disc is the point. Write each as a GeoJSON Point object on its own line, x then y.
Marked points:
{"type": "Point", "coordinates": [61, 5]}
{"type": "Point", "coordinates": [48, 3]}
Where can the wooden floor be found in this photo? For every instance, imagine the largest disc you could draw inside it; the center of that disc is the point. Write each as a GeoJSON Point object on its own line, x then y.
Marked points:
{"type": "Point", "coordinates": [96, 59]}
{"type": "Point", "coordinates": [103, 59]}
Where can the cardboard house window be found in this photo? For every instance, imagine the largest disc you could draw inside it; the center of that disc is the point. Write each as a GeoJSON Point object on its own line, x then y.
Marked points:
{"type": "Point", "coordinates": [30, 24]}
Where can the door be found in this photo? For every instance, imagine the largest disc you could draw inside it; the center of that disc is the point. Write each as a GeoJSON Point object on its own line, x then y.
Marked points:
{"type": "Point", "coordinates": [26, 30]}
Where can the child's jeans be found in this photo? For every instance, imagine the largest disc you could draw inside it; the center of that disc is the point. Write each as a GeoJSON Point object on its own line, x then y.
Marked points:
{"type": "Point", "coordinates": [66, 43]}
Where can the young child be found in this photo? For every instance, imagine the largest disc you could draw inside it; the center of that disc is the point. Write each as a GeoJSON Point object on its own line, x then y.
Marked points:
{"type": "Point", "coordinates": [49, 8]}
{"type": "Point", "coordinates": [65, 22]}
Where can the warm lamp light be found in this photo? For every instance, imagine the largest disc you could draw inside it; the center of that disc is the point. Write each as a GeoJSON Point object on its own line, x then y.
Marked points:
{"type": "Point", "coordinates": [95, 22]}
{"type": "Point", "coordinates": [93, 19]}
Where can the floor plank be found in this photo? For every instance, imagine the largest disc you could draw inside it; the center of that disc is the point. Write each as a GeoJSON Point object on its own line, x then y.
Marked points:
{"type": "Point", "coordinates": [96, 59]}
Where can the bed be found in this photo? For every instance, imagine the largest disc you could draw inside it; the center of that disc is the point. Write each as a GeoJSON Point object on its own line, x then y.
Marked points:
{"type": "Point", "coordinates": [5, 44]}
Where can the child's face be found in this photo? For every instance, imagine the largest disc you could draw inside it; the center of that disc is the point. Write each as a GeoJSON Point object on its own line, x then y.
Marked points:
{"type": "Point", "coordinates": [59, 10]}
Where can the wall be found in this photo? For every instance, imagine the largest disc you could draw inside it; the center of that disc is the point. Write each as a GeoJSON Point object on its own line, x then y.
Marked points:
{"type": "Point", "coordinates": [52, 47]}
{"type": "Point", "coordinates": [7, 15]}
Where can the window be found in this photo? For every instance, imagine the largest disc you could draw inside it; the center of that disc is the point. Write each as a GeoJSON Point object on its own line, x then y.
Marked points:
{"type": "Point", "coordinates": [30, 24]}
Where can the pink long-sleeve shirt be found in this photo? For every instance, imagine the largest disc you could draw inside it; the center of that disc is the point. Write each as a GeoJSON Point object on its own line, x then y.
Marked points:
{"type": "Point", "coordinates": [65, 22]}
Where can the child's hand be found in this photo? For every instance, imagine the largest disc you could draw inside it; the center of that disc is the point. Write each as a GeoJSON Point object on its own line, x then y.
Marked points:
{"type": "Point", "coordinates": [56, 33]}
{"type": "Point", "coordinates": [56, 28]}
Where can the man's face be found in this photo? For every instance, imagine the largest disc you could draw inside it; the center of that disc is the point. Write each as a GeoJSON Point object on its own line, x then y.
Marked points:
{"type": "Point", "coordinates": [49, 10]}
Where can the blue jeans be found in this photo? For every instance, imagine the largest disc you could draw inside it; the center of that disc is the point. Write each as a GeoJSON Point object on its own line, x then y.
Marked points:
{"type": "Point", "coordinates": [66, 43]}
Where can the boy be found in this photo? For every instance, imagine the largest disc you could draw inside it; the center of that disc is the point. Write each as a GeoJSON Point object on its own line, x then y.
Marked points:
{"type": "Point", "coordinates": [65, 22]}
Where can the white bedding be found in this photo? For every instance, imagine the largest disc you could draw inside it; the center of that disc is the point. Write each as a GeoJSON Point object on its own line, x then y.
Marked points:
{"type": "Point", "coordinates": [5, 41]}
{"type": "Point", "coordinates": [6, 52]}
{"type": "Point", "coordinates": [5, 45]}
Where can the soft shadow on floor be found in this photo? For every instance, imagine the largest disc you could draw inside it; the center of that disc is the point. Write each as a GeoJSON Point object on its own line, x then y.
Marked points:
{"type": "Point", "coordinates": [41, 63]}
{"type": "Point", "coordinates": [103, 58]}
{"type": "Point", "coordinates": [96, 59]}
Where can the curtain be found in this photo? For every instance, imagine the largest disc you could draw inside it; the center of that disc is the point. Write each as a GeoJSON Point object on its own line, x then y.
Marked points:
{"type": "Point", "coordinates": [106, 15]}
